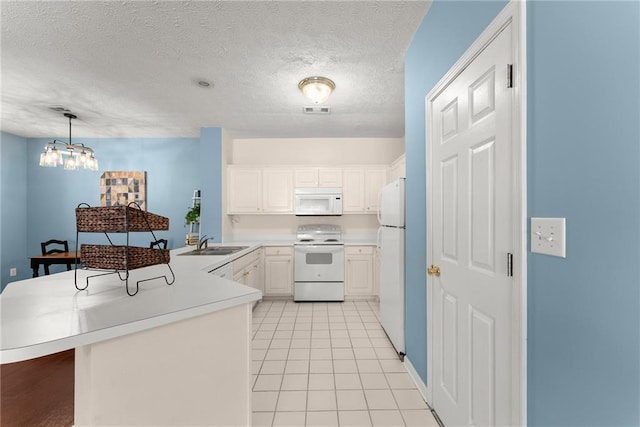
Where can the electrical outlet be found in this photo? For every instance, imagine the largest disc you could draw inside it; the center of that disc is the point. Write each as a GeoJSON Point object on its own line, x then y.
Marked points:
{"type": "Point", "coordinates": [548, 236]}
{"type": "Point", "coordinates": [13, 272]}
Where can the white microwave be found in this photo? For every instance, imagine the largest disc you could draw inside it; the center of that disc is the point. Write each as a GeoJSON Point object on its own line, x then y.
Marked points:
{"type": "Point", "coordinates": [318, 201]}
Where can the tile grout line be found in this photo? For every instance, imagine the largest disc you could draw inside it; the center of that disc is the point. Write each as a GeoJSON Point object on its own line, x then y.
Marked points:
{"type": "Point", "coordinates": [358, 313]}
{"type": "Point", "coordinates": [366, 401]}
{"type": "Point", "coordinates": [333, 367]}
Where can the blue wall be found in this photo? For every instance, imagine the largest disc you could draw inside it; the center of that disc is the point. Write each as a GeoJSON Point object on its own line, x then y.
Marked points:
{"type": "Point", "coordinates": [13, 202]}
{"type": "Point", "coordinates": [38, 203]}
{"type": "Point", "coordinates": [210, 181]}
{"type": "Point", "coordinates": [583, 164]}
{"type": "Point", "coordinates": [444, 35]}
{"type": "Point", "coordinates": [54, 193]}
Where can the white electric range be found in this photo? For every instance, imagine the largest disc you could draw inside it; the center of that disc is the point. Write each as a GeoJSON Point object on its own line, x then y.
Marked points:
{"type": "Point", "coordinates": [319, 263]}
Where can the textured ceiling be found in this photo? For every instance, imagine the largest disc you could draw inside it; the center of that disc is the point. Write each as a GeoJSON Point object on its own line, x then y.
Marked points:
{"type": "Point", "coordinates": [129, 68]}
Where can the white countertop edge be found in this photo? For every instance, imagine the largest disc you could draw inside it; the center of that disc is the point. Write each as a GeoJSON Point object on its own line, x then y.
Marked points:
{"type": "Point", "coordinates": [360, 243]}
{"type": "Point", "coordinates": [204, 265]}
{"type": "Point", "coordinates": [46, 348]}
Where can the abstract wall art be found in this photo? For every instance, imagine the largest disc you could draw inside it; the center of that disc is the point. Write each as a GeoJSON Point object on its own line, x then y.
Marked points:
{"type": "Point", "coordinates": [119, 188]}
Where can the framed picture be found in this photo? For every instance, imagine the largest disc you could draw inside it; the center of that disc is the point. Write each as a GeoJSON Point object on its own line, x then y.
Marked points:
{"type": "Point", "coordinates": [119, 188]}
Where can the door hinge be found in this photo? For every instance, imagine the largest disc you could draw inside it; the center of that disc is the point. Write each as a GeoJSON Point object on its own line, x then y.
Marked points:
{"type": "Point", "coordinates": [509, 75]}
{"type": "Point", "coordinates": [510, 264]}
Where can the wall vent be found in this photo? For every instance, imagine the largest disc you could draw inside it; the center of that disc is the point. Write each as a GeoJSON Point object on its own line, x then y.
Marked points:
{"type": "Point", "coordinates": [316, 109]}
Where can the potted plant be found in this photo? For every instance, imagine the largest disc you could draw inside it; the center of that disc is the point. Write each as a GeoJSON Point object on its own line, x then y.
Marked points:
{"type": "Point", "coordinates": [193, 215]}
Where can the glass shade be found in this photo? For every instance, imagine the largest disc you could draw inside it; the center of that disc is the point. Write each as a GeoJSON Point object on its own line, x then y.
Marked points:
{"type": "Point", "coordinates": [78, 156]}
{"type": "Point", "coordinates": [72, 158]}
{"type": "Point", "coordinates": [51, 157]}
{"type": "Point", "coordinates": [317, 89]}
{"type": "Point", "coordinates": [70, 163]}
{"type": "Point", "coordinates": [93, 163]}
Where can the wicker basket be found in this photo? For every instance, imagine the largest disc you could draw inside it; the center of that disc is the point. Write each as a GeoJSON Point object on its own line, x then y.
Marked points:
{"type": "Point", "coordinates": [118, 219]}
{"type": "Point", "coordinates": [108, 257]}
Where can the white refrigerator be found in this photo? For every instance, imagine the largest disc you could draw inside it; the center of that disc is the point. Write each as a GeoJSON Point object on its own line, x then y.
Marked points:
{"type": "Point", "coordinates": [391, 236]}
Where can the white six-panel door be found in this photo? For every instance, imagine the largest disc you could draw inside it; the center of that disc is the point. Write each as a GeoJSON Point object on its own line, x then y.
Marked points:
{"type": "Point", "coordinates": [470, 236]}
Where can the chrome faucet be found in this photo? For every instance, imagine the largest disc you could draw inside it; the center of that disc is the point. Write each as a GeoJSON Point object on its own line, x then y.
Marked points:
{"type": "Point", "coordinates": [203, 243]}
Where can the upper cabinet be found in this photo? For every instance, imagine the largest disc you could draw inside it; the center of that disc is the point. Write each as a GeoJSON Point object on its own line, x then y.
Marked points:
{"type": "Point", "coordinates": [318, 177]}
{"type": "Point", "coordinates": [277, 193]}
{"type": "Point", "coordinates": [254, 190]}
{"type": "Point", "coordinates": [353, 190]}
{"type": "Point", "coordinates": [330, 177]}
{"type": "Point", "coordinates": [397, 169]}
{"type": "Point", "coordinates": [361, 187]}
{"type": "Point", "coordinates": [244, 192]}
{"type": "Point", "coordinates": [374, 180]}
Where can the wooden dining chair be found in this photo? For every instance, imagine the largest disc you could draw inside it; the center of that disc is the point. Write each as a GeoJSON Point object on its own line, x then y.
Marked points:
{"type": "Point", "coordinates": [54, 250]}
{"type": "Point", "coordinates": [160, 243]}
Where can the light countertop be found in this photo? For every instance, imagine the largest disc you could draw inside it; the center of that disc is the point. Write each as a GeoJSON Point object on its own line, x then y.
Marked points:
{"type": "Point", "coordinates": [48, 314]}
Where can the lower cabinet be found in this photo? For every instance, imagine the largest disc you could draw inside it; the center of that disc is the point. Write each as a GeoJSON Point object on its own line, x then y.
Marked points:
{"type": "Point", "coordinates": [360, 271]}
{"type": "Point", "coordinates": [278, 271]}
{"type": "Point", "coordinates": [248, 270]}
{"type": "Point", "coordinates": [270, 269]}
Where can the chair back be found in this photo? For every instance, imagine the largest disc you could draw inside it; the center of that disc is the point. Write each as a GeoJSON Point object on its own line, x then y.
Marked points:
{"type": "Point", "coordinates": [160, 243]}
{"type": "Point", "coordinates": [54, 250]}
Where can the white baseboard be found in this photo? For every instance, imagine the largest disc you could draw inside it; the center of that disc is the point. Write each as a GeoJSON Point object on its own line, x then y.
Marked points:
{"type": "Point", "coordinates": [422, 387]}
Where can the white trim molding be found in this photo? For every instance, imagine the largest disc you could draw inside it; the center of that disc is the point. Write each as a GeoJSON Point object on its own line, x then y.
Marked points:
{"type": "Point", "coordinates": [422, 387]}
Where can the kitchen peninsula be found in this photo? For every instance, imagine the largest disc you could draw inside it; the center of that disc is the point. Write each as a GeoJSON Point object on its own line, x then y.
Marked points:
{"type": "Point", "coordinates": [171, 355]}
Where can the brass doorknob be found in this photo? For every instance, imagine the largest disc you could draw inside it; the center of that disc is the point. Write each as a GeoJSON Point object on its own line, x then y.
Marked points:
{"type": "Point", "coordinates": [433, 270]}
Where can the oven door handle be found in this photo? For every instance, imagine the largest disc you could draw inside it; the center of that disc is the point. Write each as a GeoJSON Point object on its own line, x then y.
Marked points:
{"type": "Point", "coordinates": [305, 249]}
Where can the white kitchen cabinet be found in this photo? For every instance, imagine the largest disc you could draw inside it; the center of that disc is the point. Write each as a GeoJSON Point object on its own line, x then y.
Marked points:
{"type": "Point", "coordinates": [361, 186]}
{"type": "Point", "coordinates": [397, 169]}
{"type": "Point", "coordinates": [306, 177]}
{"type": "Point", "coordinates": [330, 177]}
{"type": "Point", "coordinates": [244, 191]}
{"type": "Point", "coordinates": [248, 270]}
{"type": "Point", "coordinates": [360, 275]}
{"type": "Point", "coordinates": [374, 180]}
{"type": "Point", "coordinates": [277, 196]}
{"type": "Point", "coordinates": [318, 177]}
{"type": "Point", "coordinates": [239, 277]}
{"type": "Point", "coordinates": [254, 190]}
{"type": "Point", "coordinates": [278, 271]}
{"type": "Point", "coordinates": [258, 190]}
{"type": "Point", "coordinates": [353, 190]}
{"type": "Point", "coordinates": [254, 276]}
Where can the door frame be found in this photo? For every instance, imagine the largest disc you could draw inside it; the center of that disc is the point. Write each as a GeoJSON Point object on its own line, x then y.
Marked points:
{"type": "Point", "coordinates": [515, 13]}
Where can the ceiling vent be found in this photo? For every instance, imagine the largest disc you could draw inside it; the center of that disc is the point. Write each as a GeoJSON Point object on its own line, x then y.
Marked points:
{"type": "Point", "coordinates": [316, 109]}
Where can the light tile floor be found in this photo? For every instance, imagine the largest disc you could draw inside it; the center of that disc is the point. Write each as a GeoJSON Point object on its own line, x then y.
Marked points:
{"type": "Point", "coordinates": [329, 364]}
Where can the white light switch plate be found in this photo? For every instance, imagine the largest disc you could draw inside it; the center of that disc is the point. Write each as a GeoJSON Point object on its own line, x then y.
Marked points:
{"type": "Point", "coordinates": [548, 236]}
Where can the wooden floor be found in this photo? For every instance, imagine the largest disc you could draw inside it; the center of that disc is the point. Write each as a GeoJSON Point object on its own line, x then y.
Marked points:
{"type": "Point", "coordinates": [38, 392]}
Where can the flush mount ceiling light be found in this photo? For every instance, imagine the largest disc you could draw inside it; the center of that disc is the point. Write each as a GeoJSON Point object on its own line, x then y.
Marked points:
{"type": "Point", "coordinates": [78, 156]}
{"type": "Point", "coordinates": [316, 88]}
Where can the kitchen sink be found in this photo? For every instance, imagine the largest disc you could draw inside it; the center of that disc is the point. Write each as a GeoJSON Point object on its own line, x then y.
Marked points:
{"type": "Point", "coordinates": [216, 250]}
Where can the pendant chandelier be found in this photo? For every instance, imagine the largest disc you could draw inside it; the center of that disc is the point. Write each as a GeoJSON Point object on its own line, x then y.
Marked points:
{"type": "Point", "coordinates": [70, 156]}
